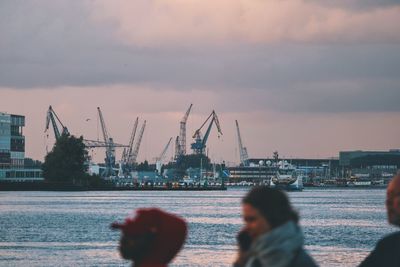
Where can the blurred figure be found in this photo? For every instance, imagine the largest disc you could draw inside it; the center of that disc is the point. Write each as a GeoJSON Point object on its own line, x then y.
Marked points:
{"type": "Point", "coordinates": [387, 251]}
{"type": "Point", "coordinates": [271, 235]}
{"type": "Point", "coordinates": [152, 238]}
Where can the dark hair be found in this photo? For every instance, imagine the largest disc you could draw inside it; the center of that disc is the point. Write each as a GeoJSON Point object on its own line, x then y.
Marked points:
{"type": "Point", "coordinates": [273, 204]}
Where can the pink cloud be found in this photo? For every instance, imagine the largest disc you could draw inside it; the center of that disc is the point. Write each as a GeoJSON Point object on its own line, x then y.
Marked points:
{"type": "Point", "coordinates": [190, 22]}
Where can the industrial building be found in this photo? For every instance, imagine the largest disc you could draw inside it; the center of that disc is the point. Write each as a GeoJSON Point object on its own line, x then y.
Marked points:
{"type": "Point", "coordinates": [347, 158]}
{"type": "Point", "coordinates": [12, 150]}
{"type": "Point", "coordinates": [370, 165]}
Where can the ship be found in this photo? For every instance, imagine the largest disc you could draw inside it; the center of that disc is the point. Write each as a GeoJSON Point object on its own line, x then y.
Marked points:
{"type": "Point", "coordinates": [287, 177]}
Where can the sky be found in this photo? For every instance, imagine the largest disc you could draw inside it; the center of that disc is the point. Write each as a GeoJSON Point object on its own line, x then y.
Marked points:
{"type": "Point", "coordinates": [307, 78]}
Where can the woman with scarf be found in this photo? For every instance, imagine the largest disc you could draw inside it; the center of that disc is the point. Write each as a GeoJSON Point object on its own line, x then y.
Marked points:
{"type": "Point", "coordinates": [271, 236]}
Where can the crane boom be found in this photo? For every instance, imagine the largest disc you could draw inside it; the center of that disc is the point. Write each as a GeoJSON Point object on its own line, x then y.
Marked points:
{"type": "Point", "coordinates": [135, 153]}
{"type": "Point", "coordinates": [49, 118]}
{"type": "Point", "coordinates": [52, 116]}
{"type": "Point", "coordinates": [110, 148]}
{"type": "Point", "coordinates": [159, 160]}
{"type": "Point", "coordinates": [207, 134]}
{"type": "Point", "coordinates": [182, 132]}
{"type": "Point", "coordinates": [162, 155]}
{"type": "Point", "coordinates": [177, 147]}
{"type": "Point", "coordinates": [197, 132]}
{"type": "Point", "coordinates": [244, 157]}
{"type": "Point", "coordinates": [200, 143]}
{"type": "Point", "coordinates": [130, 147]}
{"type": "Point", "coordinates": [103, 126]}
{"type": "Point", "coordinates": [94, 143]}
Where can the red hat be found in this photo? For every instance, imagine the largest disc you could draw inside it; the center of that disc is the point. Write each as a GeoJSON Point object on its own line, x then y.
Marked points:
{"type": "Point", "coordinates": [170, 232]}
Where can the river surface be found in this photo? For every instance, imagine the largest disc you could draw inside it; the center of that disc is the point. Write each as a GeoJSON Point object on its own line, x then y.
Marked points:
{"type": "Point", "coordinates": [72, 228]}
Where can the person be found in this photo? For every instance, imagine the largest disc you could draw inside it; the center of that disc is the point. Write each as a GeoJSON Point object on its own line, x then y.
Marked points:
{"type": "Point", "coordinates": [271, 235]}
{"type": "Point", "coordinates": [386, 252]}
{"type": "Point", "coordinates": [151, 239]}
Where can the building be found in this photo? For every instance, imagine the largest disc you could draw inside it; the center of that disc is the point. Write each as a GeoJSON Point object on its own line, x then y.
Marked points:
{"type": "Point", "coordinates": [254, 174]}
{"type": "Point", "coordinates": [260, 170]}
{"type": "Point", "coordinates": [347, 158]}
{"type": "Point", "coordinates": [12, 150]}
{"type": "Point", "coordinates": [370, 165]}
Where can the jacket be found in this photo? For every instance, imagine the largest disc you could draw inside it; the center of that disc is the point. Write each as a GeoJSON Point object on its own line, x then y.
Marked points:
{"type": "Point", "coordinates": [386, 252]}
{"type": "Point", "coordinates": [281, 247]}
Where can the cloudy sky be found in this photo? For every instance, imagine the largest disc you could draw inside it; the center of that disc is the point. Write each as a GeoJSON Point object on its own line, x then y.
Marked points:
{"type": "Point", "coordinates": [305, 77]}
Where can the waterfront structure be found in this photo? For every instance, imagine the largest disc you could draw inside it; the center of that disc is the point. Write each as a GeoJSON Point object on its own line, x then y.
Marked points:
{"type": "Point", "coordinates": [260, 170]}
{"type": "Point", "coordinates": [253, 174]}
{"type": "Point", "coordinates": [12, 150]}
{"type": "Point", "coordinates": [346, 158]}
{"type": "Point", "coordinates": [375, 166]}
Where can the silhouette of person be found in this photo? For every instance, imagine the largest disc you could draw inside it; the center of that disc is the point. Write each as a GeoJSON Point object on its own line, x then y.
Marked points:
{"type": "Point", "coordinates": [151, 239]}
{"type": "Point", "coordinates": [387, 251]}
{"type": "Point", "coordinates": [271, 235]}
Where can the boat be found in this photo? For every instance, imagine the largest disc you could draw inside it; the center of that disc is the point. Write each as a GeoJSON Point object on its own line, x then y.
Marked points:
{"type": "Point", "coordinates": [287, 177]}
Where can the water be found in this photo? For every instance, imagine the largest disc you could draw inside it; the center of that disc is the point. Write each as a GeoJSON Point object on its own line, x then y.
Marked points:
{"type": "Point", "coordinates": [72, 228]}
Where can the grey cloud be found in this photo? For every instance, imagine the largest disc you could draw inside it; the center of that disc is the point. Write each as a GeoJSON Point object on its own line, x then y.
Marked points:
{"type": "Point", "coordinates": [356, 4]}
{"type": "Point", "coordinates": [46, 44]}
{"type": "Point", "coordinates": [317, 97]}
{"type": "Point", "coordinates": [363, 96]}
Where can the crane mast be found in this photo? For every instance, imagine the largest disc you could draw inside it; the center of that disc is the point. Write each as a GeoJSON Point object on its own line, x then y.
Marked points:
{"type": "Point", "coordinates": [108, 141]}
{"type": "Point", "coordinates": [128, 151]}
{"type": "Point", "coordinates": [110, 148]}
{"type": "Point", "coordinates": [133, 157]}
{"type": "Point", "coordinates": [103, 126]}
{"type": "Point", "coordinates": [165, 150]}
{"type": "Point", "coordinates": [159, 159]}
{"type": "Point", "coordinates": [182, 133]}
{"type": "Point", "coordinates": [51, 117]}
{"type": "Point", "coordinates": [200, 143]}
{"type": "Point", "coordinates": [177, 147]}
{"type": "Point", "coordinates": [244, 157]}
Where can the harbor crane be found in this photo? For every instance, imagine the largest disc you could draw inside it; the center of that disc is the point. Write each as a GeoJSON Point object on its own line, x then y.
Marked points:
{"type": "Point", "coordinates": [108, 142]}
{"type": "Point", "coordinates": [177, 147]}
{"type": "Point", "coordinates": [200, 142]}
{"type": "Point", "coordinates": [128, 150]}
{"type": "Point", "coordinates": [132, 156]}
{"type": "Point", "coordinates": [52, 116]}
{"type": "Point", "coordinates": [110, 148]}
{"type": "Point", "coordinates": [244, 157]}
{"type": "Point", "coordinates": [159, 159]}
{"type": "Point", "coordinates": [180, 142]}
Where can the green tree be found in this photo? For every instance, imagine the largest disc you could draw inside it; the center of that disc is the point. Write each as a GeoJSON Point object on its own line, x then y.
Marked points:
{"type": "Point", "coordinates": [66, 162]}
{"type": "Point", "coordinates": [144, 166]}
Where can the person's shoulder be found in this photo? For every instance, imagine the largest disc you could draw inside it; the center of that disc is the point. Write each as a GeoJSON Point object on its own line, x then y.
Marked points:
{"type": "Point", "coordinates": [385, 252]}
{"type": "Point", "coordinates": [304, 260]}
{"type": "Point", "coordinates": [390, 240]}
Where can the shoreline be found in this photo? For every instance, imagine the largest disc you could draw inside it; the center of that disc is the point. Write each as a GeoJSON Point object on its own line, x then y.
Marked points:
{"type": "Point", "coordinates": [42, 186]}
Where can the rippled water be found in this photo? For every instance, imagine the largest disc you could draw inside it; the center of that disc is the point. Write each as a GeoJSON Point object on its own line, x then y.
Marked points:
{"type": "Point", "coordinates": [72, 228]}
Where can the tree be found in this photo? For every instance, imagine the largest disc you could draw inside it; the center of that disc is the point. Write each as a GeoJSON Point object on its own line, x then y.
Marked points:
{"type": "Point", "coordinates": [66, 162]}
{"type": "Point", "coordinates": [144, 166]}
